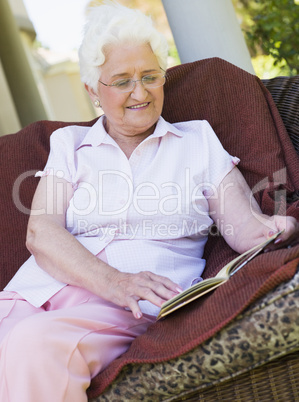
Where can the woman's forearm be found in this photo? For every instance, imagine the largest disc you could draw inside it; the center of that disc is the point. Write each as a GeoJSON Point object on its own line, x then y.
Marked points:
{"type": "Point", "coordinates": [243, 225]}
{"type": "Point", "coordinates": [54, 248]}
{"type": "Point", "coordinates": [63, 257]}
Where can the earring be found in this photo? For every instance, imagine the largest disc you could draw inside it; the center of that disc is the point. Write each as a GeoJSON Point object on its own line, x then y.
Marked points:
{"type": "Point", "coordinates": [97, 103]}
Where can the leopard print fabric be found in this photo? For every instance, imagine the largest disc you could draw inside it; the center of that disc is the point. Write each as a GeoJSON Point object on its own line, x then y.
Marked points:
{"type": "Point", "coordinates": [267, 330]}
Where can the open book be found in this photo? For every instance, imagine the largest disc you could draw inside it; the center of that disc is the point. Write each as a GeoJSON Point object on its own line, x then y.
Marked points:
{"type": "Point", "coordinates": [207, 285]}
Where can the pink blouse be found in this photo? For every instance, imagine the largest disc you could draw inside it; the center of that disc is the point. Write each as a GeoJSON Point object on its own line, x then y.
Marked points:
{"type": "Point", "coordinates": [148, 212]}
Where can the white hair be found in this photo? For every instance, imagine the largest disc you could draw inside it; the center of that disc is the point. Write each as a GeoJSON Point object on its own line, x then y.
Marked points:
{"type": "Point", "coordinates": [111, 24]}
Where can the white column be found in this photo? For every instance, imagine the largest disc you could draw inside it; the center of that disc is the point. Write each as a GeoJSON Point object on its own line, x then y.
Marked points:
{"type": "Point", "coordinates": [207, 28]}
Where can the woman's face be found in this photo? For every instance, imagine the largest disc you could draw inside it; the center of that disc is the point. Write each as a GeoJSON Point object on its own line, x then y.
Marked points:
{"type": "Point", "coordinates": [132, 113]}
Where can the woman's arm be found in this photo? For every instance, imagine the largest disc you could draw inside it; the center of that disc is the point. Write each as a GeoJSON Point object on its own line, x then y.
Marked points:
{"type": "Point", "coordinates": [239, 218]}
{"type": "Point", "coordinates": [64, 258]}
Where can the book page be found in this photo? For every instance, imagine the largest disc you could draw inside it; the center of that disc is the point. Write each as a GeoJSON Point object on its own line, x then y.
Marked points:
{"type": "Point", "coordinates": [193, 294]}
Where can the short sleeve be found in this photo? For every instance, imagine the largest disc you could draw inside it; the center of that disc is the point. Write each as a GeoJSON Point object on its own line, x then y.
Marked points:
{"type": "Point", "coordinates": [217, 162]}
{"type": "Point", "coordinates": [60, 161]}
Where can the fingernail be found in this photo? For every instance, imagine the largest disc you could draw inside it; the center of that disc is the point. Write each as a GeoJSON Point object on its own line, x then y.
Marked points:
{"type": "Point", "coordinates": [138, 315]}
{"type": "Point", "coordinates": [277, 241]}
{"type": "Point", "coordinates": [179, 290]}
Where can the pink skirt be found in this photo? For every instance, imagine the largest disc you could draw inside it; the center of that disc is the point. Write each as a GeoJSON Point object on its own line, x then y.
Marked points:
{"type": "Point", "coordinates": [51, 353]}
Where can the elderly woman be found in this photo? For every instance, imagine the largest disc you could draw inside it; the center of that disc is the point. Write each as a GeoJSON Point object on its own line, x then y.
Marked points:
{"type": "Point", "coordinates": [119, 219]}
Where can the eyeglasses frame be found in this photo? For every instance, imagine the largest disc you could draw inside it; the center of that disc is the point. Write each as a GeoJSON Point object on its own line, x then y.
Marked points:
{"type": "Point", "coordinates": [134, 82]}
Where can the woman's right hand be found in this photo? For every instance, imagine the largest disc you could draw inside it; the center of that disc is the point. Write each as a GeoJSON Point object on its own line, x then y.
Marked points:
{"type": "Point", "coordinates": [126, 289]}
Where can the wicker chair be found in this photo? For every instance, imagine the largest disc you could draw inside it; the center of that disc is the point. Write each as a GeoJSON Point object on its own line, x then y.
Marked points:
{"type": "Point", "coordinates": [285, 92]}
{"type": "Point", "coordinates": [260, 361]}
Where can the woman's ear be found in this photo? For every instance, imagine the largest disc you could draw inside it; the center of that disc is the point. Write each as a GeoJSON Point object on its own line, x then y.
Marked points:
{"type": "Point", "coordinates": [92, 94]}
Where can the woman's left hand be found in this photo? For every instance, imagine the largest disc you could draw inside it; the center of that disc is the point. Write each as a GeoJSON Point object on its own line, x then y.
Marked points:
{"type": "Point", "coordinates": [290, 228]}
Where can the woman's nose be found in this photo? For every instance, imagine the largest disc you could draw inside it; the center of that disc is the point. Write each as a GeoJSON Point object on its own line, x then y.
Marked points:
{"type": "Point", "coordinates": [139, 92]}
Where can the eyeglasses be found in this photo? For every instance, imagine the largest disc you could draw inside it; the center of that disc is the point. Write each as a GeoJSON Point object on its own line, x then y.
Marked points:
{"type": "Point", "coordinates": [128, 85]}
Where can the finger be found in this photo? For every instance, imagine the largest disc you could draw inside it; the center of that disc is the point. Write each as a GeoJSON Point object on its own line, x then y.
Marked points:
{"type": "Point", "coordinates": [137, 313]}
{"type": "Point", "coordinates": [290, 235]}
{"type": "Point", "coordinates": [134, 307]}
{"type": "Point", "coordinates": [156, 285]}
{"type": "Point", "coordinates": [291, 229]}
{"type": "Point", "coordinates": [154, 296]}
{"type": "Point", "coordinates": [145, 294]}
{"type": "Point", "coordinates": [168, 283]}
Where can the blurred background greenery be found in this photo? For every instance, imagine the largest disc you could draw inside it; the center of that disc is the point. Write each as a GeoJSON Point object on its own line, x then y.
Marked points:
{"type": "Point", "coordinates": [271, 30]}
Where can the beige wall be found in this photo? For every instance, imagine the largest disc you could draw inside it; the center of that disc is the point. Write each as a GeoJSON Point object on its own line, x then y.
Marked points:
{"type": "Point", "coordinates": [68, 99]}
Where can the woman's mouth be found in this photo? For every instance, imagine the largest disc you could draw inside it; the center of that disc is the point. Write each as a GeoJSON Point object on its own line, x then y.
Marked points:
{"type": "Point", "coordinates": [140, 106]}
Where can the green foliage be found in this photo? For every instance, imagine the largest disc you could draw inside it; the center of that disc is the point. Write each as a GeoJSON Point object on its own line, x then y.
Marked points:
{"type": "Point", "coordinates": [271, 27]}
{"type": "Point", "coordinates": [174, 58]}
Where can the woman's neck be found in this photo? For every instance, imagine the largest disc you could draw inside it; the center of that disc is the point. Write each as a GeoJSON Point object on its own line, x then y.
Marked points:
{"type": "Point", "coordinates": [128, 143]}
